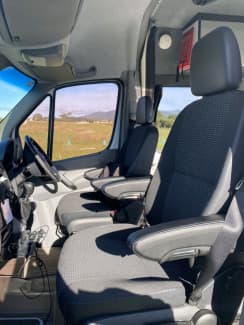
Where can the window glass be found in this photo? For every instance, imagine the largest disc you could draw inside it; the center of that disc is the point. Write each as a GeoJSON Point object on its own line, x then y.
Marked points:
{"type": "Point", "coordinates": [14, 85]}
{"type": "Point", "coordinates": [84, 119]}
{"type": "Point", "coordinates": [173, 101]}
{"type": "Point", "coordinates": [36, 125]}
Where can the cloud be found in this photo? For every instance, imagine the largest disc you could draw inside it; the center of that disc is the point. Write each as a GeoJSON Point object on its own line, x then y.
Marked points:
{"type": "Point", "coordinates": [82, 100]}
{"type": "Point", "coordinates": [86, 99]}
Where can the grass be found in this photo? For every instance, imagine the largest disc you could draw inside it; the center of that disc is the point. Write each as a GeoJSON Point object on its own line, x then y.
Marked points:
{"type": "Point", "coordinates": [163, 135]}
{"type": "Point", "coordinates": [72, 139]}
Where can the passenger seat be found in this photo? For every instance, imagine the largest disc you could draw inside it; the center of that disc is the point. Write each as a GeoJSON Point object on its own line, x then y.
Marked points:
{"type": "Point", "coordinates": [117, 274]}
{"type": "Point", "coordinates": [135, 158]}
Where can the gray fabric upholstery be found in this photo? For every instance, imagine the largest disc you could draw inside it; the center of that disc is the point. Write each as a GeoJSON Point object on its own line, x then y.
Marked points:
{"type": "Point", "coordinates": [169, 241]}
{"type": "Point", "coordinates": [144, 112]}
{"type": "Point", "coordinates": [216, 63]}
{"type": "Point", "coordinates": [137, 153]}
{"type": "Point", "coordinates": [201, 163]}
{"type": "Point", "coordinates": [202, 160]}
{"type": "Point", "coordinates": [136, 160]}
{"type": "Point", "coordinates": [129, 188]}
{"type": "Point", "coordinates": [106, 278]}
{"type": "Point", "coordinates": [99, 183]}
{"type": "Point", "coordinates": [77, 211]}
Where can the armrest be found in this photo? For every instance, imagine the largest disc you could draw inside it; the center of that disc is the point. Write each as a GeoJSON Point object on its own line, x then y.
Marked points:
{"type": "Point", "coordinates": [92, 174]}
{"type": "Point", "coordinates": [177, 239]}
{"type": "Point", "coordinates": [99, 183]}
{"type": "Point", "coordinates": [129, 188]}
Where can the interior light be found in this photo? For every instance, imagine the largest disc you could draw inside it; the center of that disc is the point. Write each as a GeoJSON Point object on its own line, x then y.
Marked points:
{"type": "Point", "coordinates": [165, 42]}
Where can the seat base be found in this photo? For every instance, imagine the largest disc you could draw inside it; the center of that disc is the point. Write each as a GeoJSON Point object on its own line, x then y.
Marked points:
{"type": "Point", "coordinates": [183, 315]}
{"type": "Point", "coordinates": [77, 211]}
{"type": "Point", "coordinates": [99, 275]}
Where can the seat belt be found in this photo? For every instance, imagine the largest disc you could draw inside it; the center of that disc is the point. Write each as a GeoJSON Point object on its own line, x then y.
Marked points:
{"type": "Point", "coordinates": [225, 242]}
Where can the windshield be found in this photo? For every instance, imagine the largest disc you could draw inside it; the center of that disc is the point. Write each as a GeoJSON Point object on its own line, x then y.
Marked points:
{"type": "Point", "coordinates": [14, 85]}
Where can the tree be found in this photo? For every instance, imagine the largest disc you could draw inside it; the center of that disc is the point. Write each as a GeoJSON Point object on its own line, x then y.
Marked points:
{"type": "Point", "coordinates": [37, 117]}
{"type": "Point", "coordinates": [164, 121]}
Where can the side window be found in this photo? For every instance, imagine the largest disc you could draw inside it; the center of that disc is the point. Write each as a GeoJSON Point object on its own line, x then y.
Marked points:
{"type": "Point", "coordinates": [173, 101]}
{"type": "Point", "coordinates": [14, 86]}
{"type": "Point", "coordinates": [84, 119]}
{"type": "Point", "coordinates": [36, 124]}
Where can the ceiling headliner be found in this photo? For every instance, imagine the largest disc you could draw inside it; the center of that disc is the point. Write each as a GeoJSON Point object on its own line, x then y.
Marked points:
{"type": "Point", "coordinates": [107, 33]}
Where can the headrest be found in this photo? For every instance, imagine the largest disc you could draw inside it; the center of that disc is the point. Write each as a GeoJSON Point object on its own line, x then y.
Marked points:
{"type": "Point", "coordinates": [216, 63]}
{"type": "Point", "coordinates": [144, 111]}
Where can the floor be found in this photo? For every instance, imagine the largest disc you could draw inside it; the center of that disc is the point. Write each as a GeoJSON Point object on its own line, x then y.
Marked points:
{"type": "Point", "coordinates": [25, 291]}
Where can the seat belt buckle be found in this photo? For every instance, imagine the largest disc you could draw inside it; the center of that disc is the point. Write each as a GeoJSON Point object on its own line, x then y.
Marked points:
{"type": "Point", "coordinates": [239, 184]}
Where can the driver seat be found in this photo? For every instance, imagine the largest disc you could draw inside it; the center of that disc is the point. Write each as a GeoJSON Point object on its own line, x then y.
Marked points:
{"type": "Point", "coordinates": [118, 274]}
{"type": "Point", "coordinates": [78, 210]}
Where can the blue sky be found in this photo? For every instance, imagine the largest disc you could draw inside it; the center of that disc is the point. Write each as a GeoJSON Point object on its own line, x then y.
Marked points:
{"type": "Point", "coordinates": [80, 100]}
{"type": "Point", "coordinates": [86, 99]}
{"type": "Point", "coordinates": [13, 87]}
{"type": "Point", "coordinates": [176, 98]}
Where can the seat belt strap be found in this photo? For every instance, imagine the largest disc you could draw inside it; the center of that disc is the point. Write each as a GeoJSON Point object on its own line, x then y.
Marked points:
{"type": "Point", "coordinates": [224, 244]}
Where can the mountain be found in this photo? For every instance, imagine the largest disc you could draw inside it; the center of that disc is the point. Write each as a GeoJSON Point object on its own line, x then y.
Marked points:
{"type": "Point", "coordinates": [168, 113]}
{"type": "Point", "coordinates": [100, 116]}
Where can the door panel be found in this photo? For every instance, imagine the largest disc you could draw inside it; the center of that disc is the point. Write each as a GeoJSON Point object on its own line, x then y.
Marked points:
{"type": "Point", "coordinates": [74, 168]}
{"type": "Point", "coordinates": [97, 160]}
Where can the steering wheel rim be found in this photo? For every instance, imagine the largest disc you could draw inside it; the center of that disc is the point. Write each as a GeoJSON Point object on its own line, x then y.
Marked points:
{"type": "Point", "coordinates": [42, 160]}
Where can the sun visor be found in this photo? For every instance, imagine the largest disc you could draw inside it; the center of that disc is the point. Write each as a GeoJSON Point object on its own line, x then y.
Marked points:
{"type": "Point", "coordinates": [28, 23]}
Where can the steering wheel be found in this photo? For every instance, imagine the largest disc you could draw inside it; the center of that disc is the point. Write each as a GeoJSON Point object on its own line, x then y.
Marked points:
{"type": "Point", "coordinates": [45, 165]}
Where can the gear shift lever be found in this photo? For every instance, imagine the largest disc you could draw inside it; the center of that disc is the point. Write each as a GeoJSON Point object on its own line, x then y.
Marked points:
{"type": "Point", "coordinates": [26, 210]}
{"type": "Point", "coordinates": [28, 190]}
{"type": "Point", "coordinates": [25, 204]}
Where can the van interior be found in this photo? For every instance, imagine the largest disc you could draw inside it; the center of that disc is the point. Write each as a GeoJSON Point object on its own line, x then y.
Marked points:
{"type": "Point", "coordinates": [121, 162]}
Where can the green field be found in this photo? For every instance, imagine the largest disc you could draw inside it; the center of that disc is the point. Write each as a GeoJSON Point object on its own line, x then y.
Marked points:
{"type": "Point", "coordinates": [163, 135]}
{"type": "Point", "coordinates": [72, 139]}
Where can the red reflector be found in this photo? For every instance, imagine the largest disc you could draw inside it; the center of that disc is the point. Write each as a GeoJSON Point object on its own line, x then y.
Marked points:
{"type": "Point", "coordinates": [113, 213]}
{"type": "Point", "coordinates": [186, 50]}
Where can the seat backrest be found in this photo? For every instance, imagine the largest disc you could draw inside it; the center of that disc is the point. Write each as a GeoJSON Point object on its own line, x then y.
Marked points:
{"type": "Point", "coordinates": [203, 157]}
{"type": "Point", "coordinates": [139, 148]}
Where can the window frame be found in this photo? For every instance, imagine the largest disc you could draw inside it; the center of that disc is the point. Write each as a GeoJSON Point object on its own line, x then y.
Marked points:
{"type": "Point", "coordinates": [32, 111]}
{"type": "Point", "coordinates": [51, 120]}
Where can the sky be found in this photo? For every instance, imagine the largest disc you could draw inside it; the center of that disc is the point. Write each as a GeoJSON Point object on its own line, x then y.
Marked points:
{"type": "Point", "coordinates": [87, 99]}
{"type": "Point", "coordinates": [176, 98]}
{"type": "Point", "coordinates": [13, 87]}
{"type": "Point", "coordinates": [80, 100]}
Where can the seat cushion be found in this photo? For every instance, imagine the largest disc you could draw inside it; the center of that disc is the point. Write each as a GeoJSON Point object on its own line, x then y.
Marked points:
{"type": "Point", "coordinates": [99, 275]}
{"type": "Point", "coordinates": [77, 211]}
